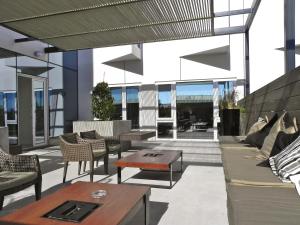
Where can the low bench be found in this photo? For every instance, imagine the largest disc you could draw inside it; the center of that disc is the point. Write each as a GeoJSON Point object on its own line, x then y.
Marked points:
{"type": "Point", "coordinates": [255, 196]}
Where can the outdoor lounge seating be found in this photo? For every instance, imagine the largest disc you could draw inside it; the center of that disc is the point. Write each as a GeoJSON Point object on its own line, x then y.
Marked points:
{"type": "Point", "coordinates": [254, 194]}
{"type": "Point", "coordinates": [76, 149]}
{"type": "Point", "coordinates": [18, 173]}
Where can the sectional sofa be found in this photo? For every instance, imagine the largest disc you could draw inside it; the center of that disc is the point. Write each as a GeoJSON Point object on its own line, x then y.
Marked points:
{"type": "Point", "coordinates": [255, 196]}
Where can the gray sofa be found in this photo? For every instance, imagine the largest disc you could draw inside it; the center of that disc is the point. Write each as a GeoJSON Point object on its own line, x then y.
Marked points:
{"type": "Point", "coordinates": [255, 196]}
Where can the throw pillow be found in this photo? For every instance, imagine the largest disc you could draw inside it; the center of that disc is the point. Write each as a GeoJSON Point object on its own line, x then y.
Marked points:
{"type": "Point", "coordinates": [286, 124]}
{"type": "Point", "coordinates": [257, 139]}
{"type": "Point", "coordinates": [88, 134]}
{"type": "Point", "coordinates": [287, 162]}
{"type": "Point", "coordinates": [282, 141]}
{"type": "Point", "coordinates": [70, 138]}
{"type": "Point", "coordinates": [257, 126]}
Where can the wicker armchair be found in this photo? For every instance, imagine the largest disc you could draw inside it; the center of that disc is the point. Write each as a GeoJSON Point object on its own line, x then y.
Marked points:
{"type": "Point", "coordinates": [76, 149]}
{"type": "Point", "coordinates": [111, 144]}
{"type": "Point", "coordinates": [17, 173]}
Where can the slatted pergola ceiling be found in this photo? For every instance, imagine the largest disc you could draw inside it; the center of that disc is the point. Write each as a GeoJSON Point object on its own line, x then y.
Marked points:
{"type": "Point", "coordinates": [80, 24]}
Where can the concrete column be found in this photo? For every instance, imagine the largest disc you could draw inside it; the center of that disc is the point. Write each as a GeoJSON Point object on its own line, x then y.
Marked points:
{"type": "Point", "coordinates": [25, 111]}
{"type": "Point", "coordinates": [289, 35]}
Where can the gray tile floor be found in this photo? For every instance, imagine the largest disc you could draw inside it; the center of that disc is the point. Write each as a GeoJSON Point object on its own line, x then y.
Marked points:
{"type": "Point", "coordinates": [197, 198]}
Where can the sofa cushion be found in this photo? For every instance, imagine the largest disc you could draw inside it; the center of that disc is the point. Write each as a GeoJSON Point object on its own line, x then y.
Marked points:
{"type": "Point", "coordinates": [257, 126]}
{"type": "Point", "coordinates": [286, 124]}
{"type": "Point", "coordinates": [88, 134]}
{"type": "Point", "coordinates": [257, 139]}
{"type": "Point", "coordinates": [13, 179]}
{"type": "Point", "coordinates": [287, 162]}
{"type": "Point", "coordinates": [282, 141]}
{"type": "Point", "coordinates": [242, 166]}
{"type": "Point", "coordinates": [262, 205]}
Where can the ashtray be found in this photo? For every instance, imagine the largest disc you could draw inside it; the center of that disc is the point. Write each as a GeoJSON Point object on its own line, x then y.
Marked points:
{"type": "Point", "coordinates": [99, 193]}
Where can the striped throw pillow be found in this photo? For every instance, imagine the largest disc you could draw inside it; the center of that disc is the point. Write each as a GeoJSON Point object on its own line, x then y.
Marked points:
{"type": "Point", "coordinates": [287, 162]}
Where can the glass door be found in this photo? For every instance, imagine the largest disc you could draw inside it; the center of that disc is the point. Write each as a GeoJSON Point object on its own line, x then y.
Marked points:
{"type": "Point", "coordinates": [194, 104]}
{"type": "Point", "coordinates": [39, 110]}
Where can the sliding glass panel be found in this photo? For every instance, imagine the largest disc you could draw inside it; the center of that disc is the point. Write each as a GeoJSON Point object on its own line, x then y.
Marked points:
{"type": "Point", "coordinates": [11, 106]}
{"type": "Point", "coordinates": [165, 130]}
{"type": "Point", "coordinates": [56, 101]}
{"type": "Point", "coordinates": [194, 104]}
{"type": "Point", "coordinates": [164, 101]}
{"type": "Point", "coordinates": [117, 96]}
{"type": "Point", "coordinates": [132, 101]}
{"type": "Point", "coordinates": [39, 104]}
{"type": "Point", "coordinates": [2, 115]}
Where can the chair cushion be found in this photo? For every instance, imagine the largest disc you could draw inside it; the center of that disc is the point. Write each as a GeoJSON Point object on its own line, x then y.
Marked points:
{"type": "Point", "coordinates": [286, 124]}
{"type": "Point", "coordinates": [70, 138]}
{"type": "Point", "coordinates": [99, 152]}
{"type": "Point", "coordinates": [257, 139]}
{"type": "Point", "coordinates": [262, 205]}
{"type": "Point", "coordinates": [114, 147]}
{"type": "Point", "coordinates": [13, 179]}
{"type": "Point", "coordinates": [88, 134]}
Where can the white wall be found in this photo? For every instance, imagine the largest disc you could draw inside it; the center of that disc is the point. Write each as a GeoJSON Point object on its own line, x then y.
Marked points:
{"type": "Point", "coordinates": [162, 61]}
{"type": "Point", "coordinates": [266, 35]}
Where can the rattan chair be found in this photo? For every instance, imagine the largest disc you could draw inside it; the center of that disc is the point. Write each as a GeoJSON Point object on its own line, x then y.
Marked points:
{"type": "Point", "coordinates": [111, 144]}
{"type": "Point", "coordinates": [17, 173]}
{"type": "Point", "coordinates": [76, 149]}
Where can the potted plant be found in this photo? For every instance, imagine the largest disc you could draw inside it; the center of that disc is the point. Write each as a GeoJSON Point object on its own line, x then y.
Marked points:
{"type": "Point", "coordinates": [103, 109]}
{"type": "Point", "coordinates": [102, 102]}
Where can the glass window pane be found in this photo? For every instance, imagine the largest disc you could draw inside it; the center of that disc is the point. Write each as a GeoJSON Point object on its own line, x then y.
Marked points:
{"type": "Point", "coordinates": [13, 130]}
{"type": "Point", "coordinates": [117, 96]}
{"type": "Point", "coordinates": [11, 106]}
{"type": "Point", "coordinates": [164, 101]}
{"type": "Point", "coordinates": [132, 100]}
{"type": "Point", "coordinates": [2, 117]}
{"type": "Point", "coordinates": [194, 104]}
{"type": "Point", "coordinates": [56, 101]}
{"type": "Point", "coordinates": [165, 130]}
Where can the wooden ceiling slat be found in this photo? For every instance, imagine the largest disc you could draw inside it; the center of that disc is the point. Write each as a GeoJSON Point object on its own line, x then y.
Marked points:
{"type": "Point", "coordinates": [111, 22]}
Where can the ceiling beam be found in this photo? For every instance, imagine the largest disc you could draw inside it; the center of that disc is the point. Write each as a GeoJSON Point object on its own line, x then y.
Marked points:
{"type": "Point", "coordinates": [233, 12]}
{"type": "Point", "coordinates": [229, 30]}
{"type": "Point", "coordinates": [251, 17]}
{"type": "Point", "coordinates": [52, 50]}
{"type": "Point", "coordinates": [26, 39]}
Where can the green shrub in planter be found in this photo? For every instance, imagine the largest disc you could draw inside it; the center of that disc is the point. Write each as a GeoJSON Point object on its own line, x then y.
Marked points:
{"type": "Point", "coordinates": [102, 102]}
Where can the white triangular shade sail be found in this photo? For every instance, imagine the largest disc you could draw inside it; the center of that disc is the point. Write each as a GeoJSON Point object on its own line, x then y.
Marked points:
{"type": "Point", "coordinates": [297, 49]}
{"type": "Point", "coordinates": [217, 57]}
{"type": "Point", "coordinates": [129, 62]}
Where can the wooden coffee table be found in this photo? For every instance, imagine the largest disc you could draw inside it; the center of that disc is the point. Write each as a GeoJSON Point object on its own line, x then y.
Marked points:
{"type": "Point", "coordinates": [119, 206]}
{"type": "Point", "coordinates": [158, 160]}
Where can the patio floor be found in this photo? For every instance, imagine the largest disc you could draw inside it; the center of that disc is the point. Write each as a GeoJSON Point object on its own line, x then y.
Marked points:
{"type": "Point", "coordinates": [198, 197]}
